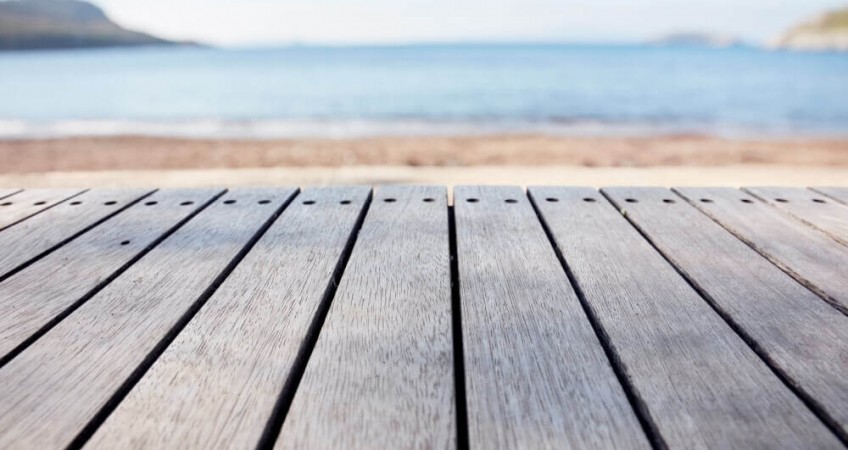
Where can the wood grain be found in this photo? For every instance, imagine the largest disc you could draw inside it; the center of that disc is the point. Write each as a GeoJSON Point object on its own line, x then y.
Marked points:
{"type": "Point", "coordinates": [810, 207]}
{"type": "Point", "coordinates": [801, 336]}
{"type": "Point", "coordinates": [536, 373]}
{"type": "Point", "coordinates": [31, 202]}
{"type": "Point", "coordinates": [33, 297]}
{"type": "Point", "coordinates": [837, 193]}
{"type": "Point", "coordinates": [808, 255]}
{"type": "Point", "coordinates": [700, 382]}
{"type": "Point", "coordinates": [381, 374]}
{"type": "Point", "coordinates": [43, 232]}
{"type": "Point", "coordinates": [57, 385]}
{"type": "Point", "coordinates": [217, 384]}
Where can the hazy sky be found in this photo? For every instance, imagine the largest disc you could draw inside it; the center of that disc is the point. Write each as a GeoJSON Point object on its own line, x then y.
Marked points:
{"type": "Point", "coordinates": [235, 22]}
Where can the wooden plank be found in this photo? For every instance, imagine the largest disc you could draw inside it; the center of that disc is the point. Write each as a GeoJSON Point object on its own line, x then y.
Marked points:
{"type": "Point", "coordinates": [536, 373]}
{"type": "Point", "coordinates": [699, 381]}
{"type": "Point", "coordinates": [34, 297]}
{"type": "Point", "coordinates": [8, 192]}
{"type": "Point", "coordinates": [218, 384]}
{"type": "Point", "coordinates": [34, 237]}
{"type": "Point", "coordinates": [55, 387]}
{"type": "Point", "coordinates": [814, 209]}
{"type": "Point", "coordinates": [381, 374]}
{"type": "Point", "coordinates": [802, 337]}
{"type": "Point", "coordinates": [809, 255]}
{"type": "Point", "coordinates": [30, 202]}
{"type": "Point", "coordinates": [839, 194]}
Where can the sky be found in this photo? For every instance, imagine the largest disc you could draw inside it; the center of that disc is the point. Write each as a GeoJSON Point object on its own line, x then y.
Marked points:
{"type": "Point", "coordinates": [249, 22]}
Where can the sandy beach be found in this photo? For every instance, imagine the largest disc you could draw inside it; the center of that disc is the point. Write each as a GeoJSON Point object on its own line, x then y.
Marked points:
{"type": "Point", "coordinates": [150, 153]}
{"type": "Point", "coordinates": [523, 160]}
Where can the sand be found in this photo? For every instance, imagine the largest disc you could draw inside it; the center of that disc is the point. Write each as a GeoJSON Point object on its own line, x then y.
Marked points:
{"type": "Point", "coordinates": [519, 160]}
{"type": "Point", "coordinates": [734, 175]}
{"type": "Point", "coordinates": [147, 153]}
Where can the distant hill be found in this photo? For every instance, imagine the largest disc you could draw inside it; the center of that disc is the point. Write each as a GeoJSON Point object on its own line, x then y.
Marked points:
{"type": "Point", "coordinates": [54, 24]}
{"type": "Point", "coordinates": [826, 32]}
{"type": "Point", "coordinates": [693, 39]}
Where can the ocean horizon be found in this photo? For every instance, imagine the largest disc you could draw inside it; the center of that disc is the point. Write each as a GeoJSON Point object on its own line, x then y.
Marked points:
{"type": "Point", "coordinates": [423, 89]}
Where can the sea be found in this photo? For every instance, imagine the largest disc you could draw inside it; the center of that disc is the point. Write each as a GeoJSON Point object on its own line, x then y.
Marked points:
{"type": "Point", "coordinates": [444, 89]}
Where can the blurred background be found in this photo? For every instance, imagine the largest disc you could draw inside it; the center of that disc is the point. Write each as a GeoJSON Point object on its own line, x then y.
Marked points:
{"type": "Point", "coordinates": [260, 91]}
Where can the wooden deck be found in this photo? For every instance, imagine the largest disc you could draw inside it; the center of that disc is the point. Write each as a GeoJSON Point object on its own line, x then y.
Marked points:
{"type": "Point", "coordinates": [346, 317]}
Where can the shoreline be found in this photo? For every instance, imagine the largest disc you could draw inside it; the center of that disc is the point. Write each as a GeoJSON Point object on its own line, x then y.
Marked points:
{"type": "Point", "coordinates": [124, 153]}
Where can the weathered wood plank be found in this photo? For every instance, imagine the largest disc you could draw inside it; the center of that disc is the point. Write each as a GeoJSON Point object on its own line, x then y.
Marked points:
{"type": "Point", "coordinates": [699, 381]}
{"type": "Point", "coordinates": [810, 207]}
{"type": "Point", "coordinates": [381, 373]}
{"type": "Point", "coordinates": [37, 295]}
{"type": "Point", "coordinates": [54, 388]}
{"type": "Point", "coordinates": [30, 202]}
{"type": "Point", "coordinates": [837, 193]}
{"type": "Point", "coordinates": [809, 255]}
{"type": "Point", "coordinates": [802, 337]}
{"type": "Point", "coordinates": [217, 384]}
{"type": "Point", "coordinates": [41, 233]}
{"type": "Point", "coordinates": [8, 192]}
{"type": "Point", "coordinates": [536, 373]}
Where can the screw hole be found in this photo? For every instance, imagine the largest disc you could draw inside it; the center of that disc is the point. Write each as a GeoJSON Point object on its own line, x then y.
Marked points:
{"type": "Point", "coordinates": [819, 200]}
{"type": "Point", "coordinates": [472, 200]}
{"type": "Point", "coordinates": [309, 202]}
{"type": "Point", "coordinates": [781, 200]}
{"type": "Point", "coordinates": [747, 200]}
{"type": "Point", "coordinates": [706, 200]}
{"type": "Point", "coordinates": [76, 203]}
{"type": "Point", "coordinates": [110, 203]}
{"type": "Point", "coordinates": [151, 203]}
{"type": "Point", "coordinates": [389, 200]}
{"type": "Point", "coordinates": [264, 202]}
{"type": "Point", "coordinates": [186, 203]}
{"type": "Point", "coordinates": [668, 200]}
{"type": "Point", "coordinates": [125, 243]}
{"type": "Point", "coordinates": [631, 200]}
{"type": "Point", "coordinates": [589, 200]}
{"type": "Point", "coordinates": [345, 202]}
{"type": "Point", "coordinates": [511, 200]}
{"type": "Point", "coordinates": [429, 200]}
{"type": "Point", "coordinates": [229, 202]}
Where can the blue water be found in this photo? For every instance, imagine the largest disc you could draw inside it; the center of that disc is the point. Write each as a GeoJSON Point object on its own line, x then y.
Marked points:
{"type": "Point", "coordinates": [453, 88]}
